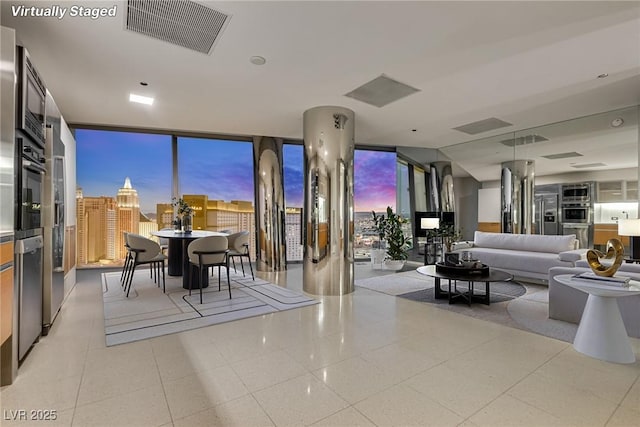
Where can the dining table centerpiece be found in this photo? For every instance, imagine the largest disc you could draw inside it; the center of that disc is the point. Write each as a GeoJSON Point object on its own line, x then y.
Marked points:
{"type": "Point", "coordinates": [184, 220]}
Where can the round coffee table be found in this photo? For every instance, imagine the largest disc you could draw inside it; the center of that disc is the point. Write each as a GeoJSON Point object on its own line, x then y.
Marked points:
{"type": "Point", "coordinates": [455, 295]}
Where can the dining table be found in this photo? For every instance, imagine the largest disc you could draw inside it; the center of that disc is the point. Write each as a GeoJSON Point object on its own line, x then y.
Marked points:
{"type": "Point", "coordinates": [178, 258]}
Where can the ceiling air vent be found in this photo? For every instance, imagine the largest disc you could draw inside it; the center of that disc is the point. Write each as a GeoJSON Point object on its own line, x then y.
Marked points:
{"type": "Point", "coordinates": [381, 91]}
{"type": "Point", "coordinates": [181, 22]}
{"type": "Point", "coordinates": [523, 140]}
{"type": "Point", "coordinates": [482, 126]}
{"type": "Point", "coordinates": [588, 165]}
{"type": "Point", "coordinates": [562, 155]}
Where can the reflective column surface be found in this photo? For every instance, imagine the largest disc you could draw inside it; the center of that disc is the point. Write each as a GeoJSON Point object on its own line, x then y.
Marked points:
{"type": "Point", "coordinates": [270, 209]}
{"type": "Point", "coordinates": [328, 206]}
{"type": "Point", "coordinates": [517, 198]}
{"type": "Point", "coordinates": [442, 196]}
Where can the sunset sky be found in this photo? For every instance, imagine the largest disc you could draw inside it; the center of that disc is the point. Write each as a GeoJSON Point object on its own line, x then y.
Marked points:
{"type": "Point", "coordinates": [221, 169]}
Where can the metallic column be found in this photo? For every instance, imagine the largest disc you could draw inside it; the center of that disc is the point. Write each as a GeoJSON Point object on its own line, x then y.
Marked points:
{"type": "Point", "coordinates": [328, 201]}
{"type": "Point", "coordinates": [517, 198]}
{"type": "Point", "coordinates": [441, 194]}
{"type": "Point", "coordinates": [270, 209]}
{"type": "Point", "coordinates": [8, 306]}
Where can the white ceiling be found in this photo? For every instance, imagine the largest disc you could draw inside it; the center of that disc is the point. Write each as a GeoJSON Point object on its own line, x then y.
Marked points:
{"type": "Point", "coordinates": [528, 63]}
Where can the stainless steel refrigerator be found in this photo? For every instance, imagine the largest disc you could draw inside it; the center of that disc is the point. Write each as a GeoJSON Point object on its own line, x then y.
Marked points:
{"type": "Point", "coordinates": [53, 210]}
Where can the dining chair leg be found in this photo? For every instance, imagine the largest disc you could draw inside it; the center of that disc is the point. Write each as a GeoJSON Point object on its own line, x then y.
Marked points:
{"type": "Point", "coordinates": [124, 268]}
{"type": "Point", "coordinates": [164, 285]}
{"type": "Point", "coordinates": [133, 270]}
{"type": "Point", "coordinates": [228, 281]}
{"type": "Point", "coordinates": [234, 264]}
{"type": "Point", "coordinates": [219, 274]}
{"type": "Point", "coordinates": [250, 267]}
{"type": "Point", "coordinates": [201, 281]}
{"type": "Point", "coordinates": [242, 264]}
{"type": "Point", "coordinates": [189, 276]}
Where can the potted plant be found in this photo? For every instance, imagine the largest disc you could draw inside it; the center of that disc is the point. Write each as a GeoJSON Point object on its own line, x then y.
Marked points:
{"type": "Point", "coordinates": [449, 235]}
{"type": "Point", "coordinates": [398, 245]}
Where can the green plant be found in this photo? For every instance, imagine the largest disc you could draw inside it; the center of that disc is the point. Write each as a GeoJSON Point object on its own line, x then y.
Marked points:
{"type": "Point", "coordinates": [389, 228]}
{"type": "Point", "coordinates": [183, 207]}
{"type": "Point", "coordinates": [448, 233]}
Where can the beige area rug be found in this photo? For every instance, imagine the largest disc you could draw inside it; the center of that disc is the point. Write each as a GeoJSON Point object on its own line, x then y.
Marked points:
{"type": "Point", "coordinates": [149, 313]}
{"type": "Point", "coordinates": [529, 312]}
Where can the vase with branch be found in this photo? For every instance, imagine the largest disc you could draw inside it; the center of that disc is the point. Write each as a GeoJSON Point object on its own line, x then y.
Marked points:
{"type": "Point", "coordinates": [184, 220]}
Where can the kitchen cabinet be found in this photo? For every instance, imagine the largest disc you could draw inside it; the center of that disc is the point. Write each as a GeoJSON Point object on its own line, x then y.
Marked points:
{"type": "Point", "coordinates": [604, 232]}
{"type": "Point", "coordinates": [616, 191]}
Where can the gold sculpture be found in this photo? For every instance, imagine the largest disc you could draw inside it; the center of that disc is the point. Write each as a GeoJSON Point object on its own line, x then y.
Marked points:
{"type": "Point", "coordinates": [614, 248]}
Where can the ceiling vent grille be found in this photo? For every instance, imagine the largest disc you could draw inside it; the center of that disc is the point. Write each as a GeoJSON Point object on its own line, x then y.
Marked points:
{"type": "Point", "coordinates": [482, 126]}
{"type": "Point", "coordinates": [523, 140]}
{"type": "Point", "coordinates": [181, 22]}
{"type": "Point", "coordinates": [381, 91]}
{"type": "Point", "coordinates": [562, 155]}
{"type": "Point", "coordinates": [588, 165]}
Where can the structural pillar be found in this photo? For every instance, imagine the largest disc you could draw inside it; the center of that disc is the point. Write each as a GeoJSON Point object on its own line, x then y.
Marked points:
{"type": "Point", "coordinates": [328, 201]}
{"type": "Point", "coordinates": [517, 198]}
{"type": "Point", "coordinates": [441, 195]}
{"type": "Point", "coordinates": [270, 209]}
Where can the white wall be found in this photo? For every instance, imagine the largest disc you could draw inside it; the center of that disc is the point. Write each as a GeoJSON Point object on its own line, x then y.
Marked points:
{"type": "Point", "coordinates": [70, 192]}
{"type": "Point", "coordinates": [489, 204]}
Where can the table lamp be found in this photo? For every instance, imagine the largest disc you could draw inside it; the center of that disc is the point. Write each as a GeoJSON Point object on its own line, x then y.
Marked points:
{"type": "Point", "coordinates": [631, 227]}
{"type": "Point", "coordinates": [430, 223]}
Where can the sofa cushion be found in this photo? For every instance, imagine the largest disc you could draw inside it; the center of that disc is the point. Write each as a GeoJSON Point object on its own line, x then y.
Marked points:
{"type": "Point", "coordinates": [525, 242]}
{"type": "Point", "coordinates": [526, 261]}
{"type": "Point", "coordinates": [572, 256]}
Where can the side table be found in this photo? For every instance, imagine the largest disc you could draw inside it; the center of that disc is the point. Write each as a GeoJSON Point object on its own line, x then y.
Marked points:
{"type": "Point", "coordinates": [601, 333]}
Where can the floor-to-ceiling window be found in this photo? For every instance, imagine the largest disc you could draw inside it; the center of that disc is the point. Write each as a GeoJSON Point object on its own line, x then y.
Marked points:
{"type": "Point", "coordinates": [374, 189]}
{"type": "Point", "coordinates": [122, 179]}
{"type": "Point", "coordinates": [293, 164]}
{"type": "Point", "coordinates": [215, 178]}
{"type": "Point", "coordinates": [403, 193]}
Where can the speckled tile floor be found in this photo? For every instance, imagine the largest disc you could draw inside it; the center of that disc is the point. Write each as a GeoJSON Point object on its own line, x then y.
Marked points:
{"type": "Point", "coordinates": [359, 360]}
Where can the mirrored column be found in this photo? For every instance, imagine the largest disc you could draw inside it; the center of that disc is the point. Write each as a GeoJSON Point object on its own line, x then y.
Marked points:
{"type": "Point", "coordinates": [442, 196]}
{"type": "Point", "coordinates": [517, 196]}
{"type": "Point", "coordinates": [270, 209]}
{"type": "Point", "coordinates": [328, 206]}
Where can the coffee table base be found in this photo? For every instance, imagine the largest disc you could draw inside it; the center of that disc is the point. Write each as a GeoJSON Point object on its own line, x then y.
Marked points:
{"type": "Point", "coordinates": [601, 333]}
{"type": "Point", "coordinates": [454, 295]}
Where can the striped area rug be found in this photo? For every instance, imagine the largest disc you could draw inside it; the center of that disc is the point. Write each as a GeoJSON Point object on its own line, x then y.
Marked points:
{"type": "Point", "coordinates": [148, 312]}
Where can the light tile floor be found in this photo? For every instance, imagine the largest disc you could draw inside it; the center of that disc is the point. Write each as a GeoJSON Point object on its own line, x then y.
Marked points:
{"type": "Point", "coordinates": [361, 360]}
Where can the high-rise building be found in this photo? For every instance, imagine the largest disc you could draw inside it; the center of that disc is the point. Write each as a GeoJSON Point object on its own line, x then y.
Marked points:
{"type": "Point", "coordinates": [128, 215]}
{"type": "Point", "coordinates": [198, 204]}
{"type": "Point", "coordinates": [96, 221]}
{"type": "Point", "coordinates": [146, 226]}
{"type": "Point", "coordinates": [234, 216]}
{"type": "Point", "coordinates": [164, 215]}
{"type": "Point", "coordinates": [293, 229]}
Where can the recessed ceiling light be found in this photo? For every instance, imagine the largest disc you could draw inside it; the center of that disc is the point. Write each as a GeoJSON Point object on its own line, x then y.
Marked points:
{"type": "Point", "coordinates": [257, 60]}
{"type": "Point", "coordinates": [140, 99]}
{"type": "Point", "coordinates": [603, 75]}
{"type": "Point", "coordinates": [617, 122]}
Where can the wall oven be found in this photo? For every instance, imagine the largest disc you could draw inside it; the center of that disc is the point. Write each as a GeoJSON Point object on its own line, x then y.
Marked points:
{"type": "Point", "coordinates": [576, 193]}
{"type": "Point", "coordinates": [577, 214]}
{"type": "Point", "coordinates": [31, 97]}
{"type": "Point", "coordinates": [31, 170]}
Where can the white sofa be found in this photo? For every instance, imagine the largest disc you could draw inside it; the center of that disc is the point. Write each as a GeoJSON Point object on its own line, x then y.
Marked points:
{"type": "Point", "coordinates": [567, 303]}
{"type": "Point", "coordinates": [527, 256]}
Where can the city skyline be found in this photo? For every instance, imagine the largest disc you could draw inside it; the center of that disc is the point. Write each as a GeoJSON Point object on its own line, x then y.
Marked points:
{"type": "Point", "coordinates": [218, 168]}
